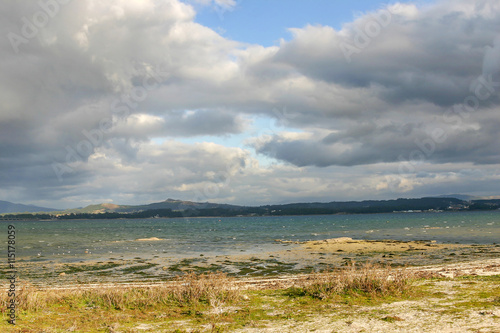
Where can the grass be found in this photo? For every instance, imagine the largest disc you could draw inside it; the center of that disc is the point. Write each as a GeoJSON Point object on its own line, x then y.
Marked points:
{"type": "Point", "coordinates": [212, 302]}
{"type": "Point", "coordinates": [369, 280]}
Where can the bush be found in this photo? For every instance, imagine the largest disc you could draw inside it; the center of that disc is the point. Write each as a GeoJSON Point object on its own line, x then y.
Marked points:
{"type": "Point", "coordinates": [212, 289]}
{"type": "Point", "coordinates": [189, 289]}
{"type": "Point", "coordinates": [370, 280]}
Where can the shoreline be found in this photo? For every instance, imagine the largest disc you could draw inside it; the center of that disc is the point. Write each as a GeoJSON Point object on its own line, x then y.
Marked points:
{"type": "Point", "coordinates": [482, 267]}
{"type": "Point", "coordinates": [272, 292]}
{"type": "Point", "coordinates": [431, 211]}
{"type": "Point", "coordinates": [293, 259]}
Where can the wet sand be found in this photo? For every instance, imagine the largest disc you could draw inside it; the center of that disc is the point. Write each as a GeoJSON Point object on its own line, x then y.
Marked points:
{"type": "Point", "coordinates": [349, 245]}
{"type": "Point", "coordinates": [293, 259]}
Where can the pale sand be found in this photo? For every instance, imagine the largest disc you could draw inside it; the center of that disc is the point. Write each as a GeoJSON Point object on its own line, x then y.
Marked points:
{"type": "Point", "coordinates": [423, 315]}
{"type": "Point", "coordinates": [347, 244]}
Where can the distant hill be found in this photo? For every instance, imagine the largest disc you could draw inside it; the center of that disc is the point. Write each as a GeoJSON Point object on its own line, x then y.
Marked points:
{"type": "Point", "coordinates": [464, 197]}
{"type": "Point", "coordinates": [368, 206]}
{"type": "Point", "coordinates": [180, 208]}
{"type": "Point", "coordinates": [93, 209]}
{"type": "Point", "coordinates": [175, 205]}
{"type": "Point", "coordinates": [7, 207]}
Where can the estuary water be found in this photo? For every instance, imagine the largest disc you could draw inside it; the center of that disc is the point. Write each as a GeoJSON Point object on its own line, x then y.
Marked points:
{"type": "Point", "coordinates": [77, 240]}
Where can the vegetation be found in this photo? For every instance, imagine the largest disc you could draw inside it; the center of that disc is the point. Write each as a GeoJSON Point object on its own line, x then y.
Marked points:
{"type": "Point", "coordinates": [369, 280]}
{"type": "Point", "coordinates": [214, 303]}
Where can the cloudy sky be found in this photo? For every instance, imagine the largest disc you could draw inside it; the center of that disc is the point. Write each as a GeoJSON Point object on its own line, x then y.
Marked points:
{"type": "Point", "coordinates": [247, 101]}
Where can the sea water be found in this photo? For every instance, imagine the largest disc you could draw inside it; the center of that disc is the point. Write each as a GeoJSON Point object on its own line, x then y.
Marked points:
{"type": "Point", "coordinates": [77, 240]}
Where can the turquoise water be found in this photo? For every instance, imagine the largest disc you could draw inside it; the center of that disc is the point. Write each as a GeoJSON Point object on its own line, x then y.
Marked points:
{"type": "Point", "coordinates": [76, 240]}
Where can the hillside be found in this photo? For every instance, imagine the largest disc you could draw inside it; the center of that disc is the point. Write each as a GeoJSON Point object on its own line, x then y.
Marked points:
{"type": "Point", "coordinates": [169, 204]}
{"type": "Point", "coordinates": [93, 209]}
{"type": "Point", "coordinates": [175, 205]}
{"type": "Point", "coordinates": [7, 207]}
{"type": "Point", "coordinates": [372, 206]}
{"type": "Point", "coordinates": [179, 208]}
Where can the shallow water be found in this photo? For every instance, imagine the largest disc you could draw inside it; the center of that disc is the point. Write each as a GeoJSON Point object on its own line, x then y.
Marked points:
{"type": "Point", "coordinates": [76, 240]}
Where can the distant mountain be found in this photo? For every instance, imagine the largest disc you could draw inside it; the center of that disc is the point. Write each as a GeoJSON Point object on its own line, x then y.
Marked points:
{"type": "Point", "coordinates": [93, 209]}
{"type": "Point", "coordinates": [175, 205]}
{"type": "Point", "coordinates": [180, 208]}
{"type": "Point", "coordinates": [7, 207]}
{"type": "Point", "coordinates": [463, 197]}
{"type": "Point", "coordinates": [368, 206]}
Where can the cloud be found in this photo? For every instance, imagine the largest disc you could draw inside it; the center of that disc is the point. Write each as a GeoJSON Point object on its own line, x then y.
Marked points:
{"type": "Point", "coordinates": [364, 143]}
{"type": "Point", "coordinates": [97, 86]}
{"type": "Point", "coordinates": [179, 124]}
{"type": "Point", "coordinates": [428, 54]}
{"type": "Point", "coordinates": [411, 90]}
{"type": "Point", "coordinates": [220, 6]}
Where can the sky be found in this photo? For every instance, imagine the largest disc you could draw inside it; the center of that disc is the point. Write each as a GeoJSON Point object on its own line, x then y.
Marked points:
{"type": "Point", "coordinates": [247, 102]}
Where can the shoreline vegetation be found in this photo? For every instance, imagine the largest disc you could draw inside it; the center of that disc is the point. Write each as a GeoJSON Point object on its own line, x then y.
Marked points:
{"type": "Point", "coordinates": [368, 286]}
{"type": "Point", "coordinates": [179, 209]}
{"type": "Point", "coordinates": [352, 299]}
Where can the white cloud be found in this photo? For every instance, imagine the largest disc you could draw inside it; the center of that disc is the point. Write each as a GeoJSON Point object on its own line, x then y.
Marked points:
{"type": "Point", "coordinates": [153, 72]}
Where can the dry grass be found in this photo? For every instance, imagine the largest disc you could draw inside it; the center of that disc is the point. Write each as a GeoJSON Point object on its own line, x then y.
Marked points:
{"type": "Point", "coordinates": [190, 289]}
{"type": "Point", "coordinates": [200, 299]}
{"type": "Point", "coordinates": [216, 302]}
{"type": "Point", "coordinates": [212, 288]}
{"type": "Point", "coordinates": [370, 280]}
{"type": "Point", "coordinates": [30, 299]}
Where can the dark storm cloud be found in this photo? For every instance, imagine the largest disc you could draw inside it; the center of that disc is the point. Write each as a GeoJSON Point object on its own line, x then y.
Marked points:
{"type": "Point", "coordinates": [368, 144]}
{"type": "Point", "coordinates": [106, 92]}
{"type": "Point", "coordinates": [179, 124]}
{"type": "Point", "coordinates": [365, 144]}
{"type": "Point", "coordinates": [434, 71]}
{"type": "Point", "coordinates": [430, 55]}
{"type": "Point", "coordinates": [60, 82]}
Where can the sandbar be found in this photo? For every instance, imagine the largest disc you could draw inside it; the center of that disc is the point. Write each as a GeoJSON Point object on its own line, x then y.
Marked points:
{"type": "Point", "coordinates": [349, 245]}
{"type": "Point", "coordinates": [148, 239]}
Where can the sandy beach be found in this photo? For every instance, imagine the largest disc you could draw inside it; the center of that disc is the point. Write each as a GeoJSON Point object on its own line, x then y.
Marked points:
{"type": "Point", "coordinates": [459, 274]}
